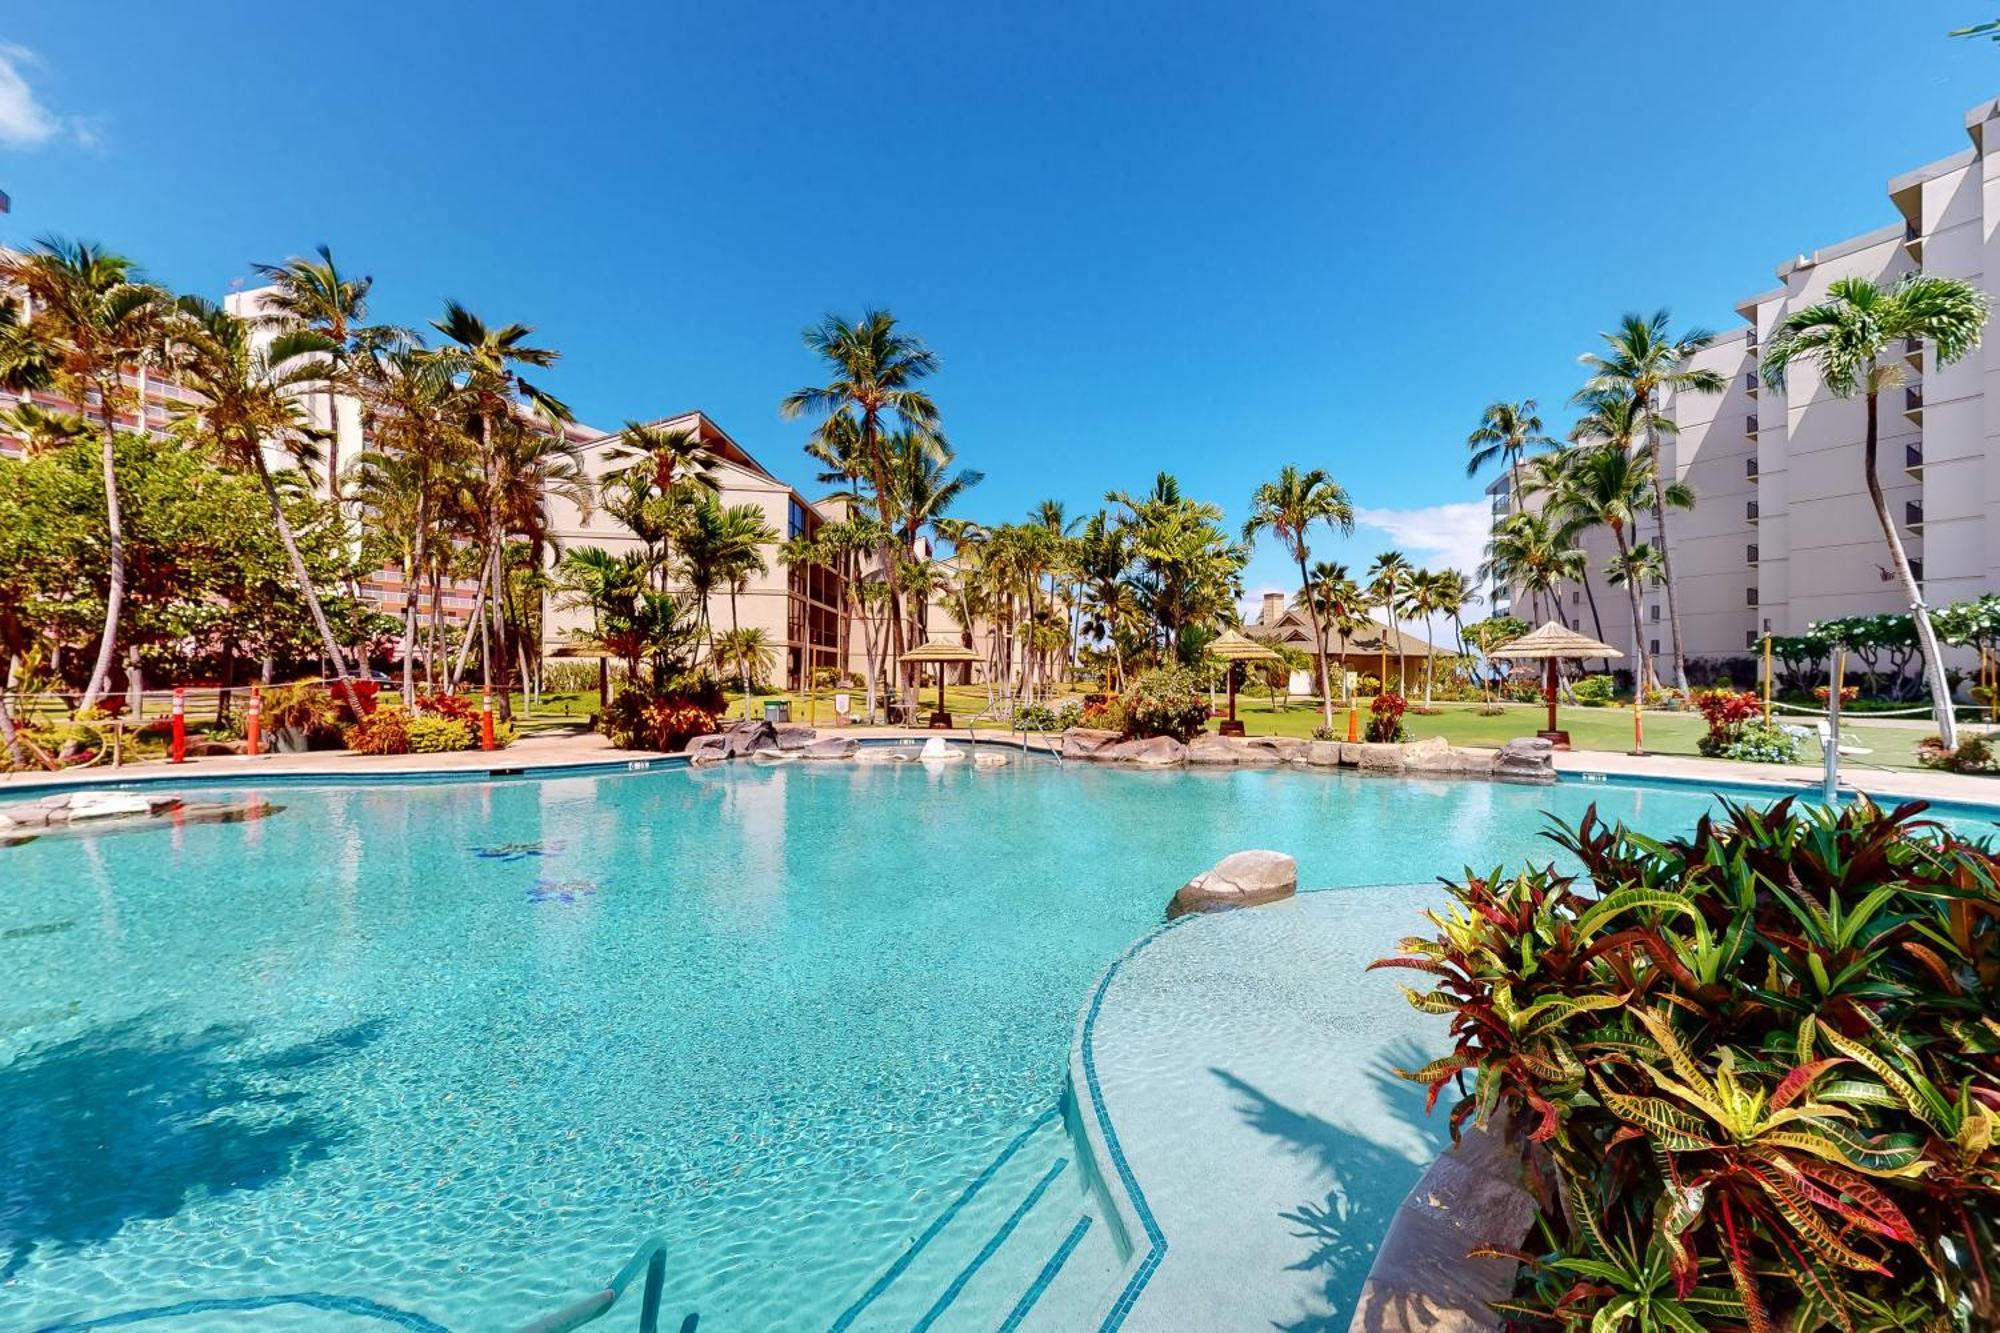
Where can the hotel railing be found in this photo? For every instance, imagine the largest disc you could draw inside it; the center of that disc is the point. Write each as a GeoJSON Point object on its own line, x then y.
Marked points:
{"type": "Point", "coordinates": [652, 1257]}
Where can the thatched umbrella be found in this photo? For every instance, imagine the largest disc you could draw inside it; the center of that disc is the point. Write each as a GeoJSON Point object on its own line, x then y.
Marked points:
{"type": "Point", "coordinates": [941, 653]}
{"type": "Point", "coordinates": [1552, 643]}
{"type": "Point", "coordinates": [586, 648]}
{"type": "Point", "coordinates": [1232, 647]}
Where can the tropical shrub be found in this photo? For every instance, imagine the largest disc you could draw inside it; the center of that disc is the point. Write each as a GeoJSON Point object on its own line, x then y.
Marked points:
{"type": "Point", "coordinates": [1523, 687]}
{"type": "Point", "coordinates": [1761, 742]}
{"type": "Point", "coordinates": [1595, 691]}
{"type": "Point", "coordinates": [1165, 701]}
{"type": "Point", "coordinates": [1385, 718]}
{"type": "Point", "coordinates": [302, 707]}
{"type": "Point", "coordinates": [638, 719]}
{"type": "Point", "coordinates": [1103, 715]}
{"type": "Point", "coordinates": [1726, 712]}
{"type": "Point", "coordinates": [1757, 1069]}
{"type": "Point", "coordinates": [431, 734]}
{"type": "Point", "coordinates": [1325, 733]}
{"type": "Point", "coordinates": [1040, 717]}
{"type": "Point", "coordinates": [460, 706]}
{"type": "Point", "coordinates": [1974, 754]}
{"type": "Point", "coordinates": [1848, 693]}
{"type": "Point", "coordinates": [384, 731]}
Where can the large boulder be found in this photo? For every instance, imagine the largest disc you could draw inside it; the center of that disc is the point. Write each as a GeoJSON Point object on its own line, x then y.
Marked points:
{"type": "Point", "coordinates": [1431, 755]}
{"type": "Point", "coordinates": [1380, 757]}
{"type": "Point", "coordinates": [1529, 759]}
{"type": "Point", "coordinates": [1212, 751]}
{"type": "Point", "coordinates": [707, 749]}
{"type": "Point", "coordinates": [750, 735]}
{"type": "Point", "coordinates": [832, 747]}
{"type": "Point", "coordinates": [1241, 879]}
{"type": "Point", "coordinates": [1085, 742]}
{"type": "Point", "coordinates": [1472, 761]}
{"type": "Point", "coordinates": [1148, 752]}
{"type": "Point", "coordinates": [1276, 749]}
{"type": "Point", "coordinates": [795, 735]}
{"type": "Point", "coordinates": [1350, 754]}
{"type": "Point", "coordinates": [1323, 754]}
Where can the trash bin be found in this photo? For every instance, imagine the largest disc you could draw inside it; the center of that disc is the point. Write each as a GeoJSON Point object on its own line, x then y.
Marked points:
{"type": "Point", "coordinates": [777, 710]}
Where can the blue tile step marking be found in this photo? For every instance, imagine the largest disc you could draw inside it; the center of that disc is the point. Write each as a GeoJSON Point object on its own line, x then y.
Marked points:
{"type": "Point", "coordinates": [1050, 1271]}
{"type": "Point", "coordinates": [908, 1286]}
{"type": "Point", "coordinates": [992, 1247]}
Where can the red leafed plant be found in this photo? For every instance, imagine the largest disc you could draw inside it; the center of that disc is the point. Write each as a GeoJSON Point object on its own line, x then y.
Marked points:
{"type": "Point", "coordinates": [458, 707]}
{"type": "Point", "coordinates": [1385, 717]}
{"type": "Point", "coordinates": [1726, 712]}
{"type": "Point", "coordinates": [1758, 1070]}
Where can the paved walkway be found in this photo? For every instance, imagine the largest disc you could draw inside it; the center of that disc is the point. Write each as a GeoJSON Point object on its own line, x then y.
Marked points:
{"type": "Point", "coordinates": [1246, 1063]}
{"type": "Point", "coordinates": [1931, 786]}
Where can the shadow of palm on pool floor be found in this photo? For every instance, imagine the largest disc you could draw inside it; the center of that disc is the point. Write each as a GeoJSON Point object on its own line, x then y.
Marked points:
{"type": "Point", "coordinates": [132, 1119]}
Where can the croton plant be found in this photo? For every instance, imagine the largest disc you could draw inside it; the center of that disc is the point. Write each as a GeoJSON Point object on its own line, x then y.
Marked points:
{"type": "Point", "coordinates": [1758, 1069]}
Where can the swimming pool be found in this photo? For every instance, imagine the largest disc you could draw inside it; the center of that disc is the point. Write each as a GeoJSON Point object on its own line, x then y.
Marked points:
{"type": "Point", "coordinates": [454, 1048]}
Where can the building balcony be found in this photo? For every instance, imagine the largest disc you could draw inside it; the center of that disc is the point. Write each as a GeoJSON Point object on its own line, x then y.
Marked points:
{"type": "Point", "coordinates": [1750, 596]}
{"type": "Point", "coordinates": [1913, 459]}
{"type": "Point", "coordinates": [1750, 467]}
{"type": "Point", "coordinates": [1917, 570]}
{"type": "Point", "coordinates": [1750, 555]}
{"type": "Point", "coordinates": [1750, 425]}
{"type": "Point", "coordinates": [1913, 240]}
{"type": "Point", "coordinates": [1750, 384]}
{"type": "Point", "coordinates": [1913, 402]}
{"type": "Point", "coordinates": [1750, 512]}
{"type": "Point", "coordinates": [1913, 515]}
{"type": "Point", "coordinates": [1913, 352]}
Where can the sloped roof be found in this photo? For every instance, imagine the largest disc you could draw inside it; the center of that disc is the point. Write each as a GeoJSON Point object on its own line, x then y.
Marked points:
{"type": "Point", "coordinates": [1294, 630]}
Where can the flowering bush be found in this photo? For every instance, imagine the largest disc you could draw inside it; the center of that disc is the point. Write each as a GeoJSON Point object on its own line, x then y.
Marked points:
{"type": "Point", "coordinates": [1325, 733]}
{"type": "Point", "coordinates": [1726, 711]}
{"type": "Point", "coordinates": [638, 720]}
{"type": "Point", "coordinates": [1761, 742]}
{"type": "Point", "coordinates": [1848, 693]}
{"type": "Point", "coordinates": [1165, 702]}
{"type": "Point", "coordinates": [1103, 714]}
{"type": "Point", "coordinates": [1755, 1068]}
{"type": "Point", "coordinates": [1973, 755]}
{"type": "Point", "coordinates": [384, 731]}
{"type": "Point", "coordinates": [1385, 718]}
{"type": "Point", "coordinates": [458, 706]}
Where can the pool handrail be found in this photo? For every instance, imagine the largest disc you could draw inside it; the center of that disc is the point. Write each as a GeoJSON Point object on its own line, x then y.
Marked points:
{"type": "Point", "coordinates": [652, 1256]}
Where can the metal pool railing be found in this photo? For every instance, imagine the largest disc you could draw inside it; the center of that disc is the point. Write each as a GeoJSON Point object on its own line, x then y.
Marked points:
{"type": "Point", "coordinates": [1008, 716]}
{"type": "Point", "coordinates": [651, 1256]}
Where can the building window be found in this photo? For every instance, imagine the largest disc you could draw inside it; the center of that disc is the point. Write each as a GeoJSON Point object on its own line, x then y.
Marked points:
{"type": "Point", "coordinates": [1749, 638]}
{"type": "Point", "coordinates": [1653, 612]}
{"type": "Point", "coordinates": [1750, 553]}
{"type": "Point", "coordinates": [1656, 646]}
{"type": "Point", "coordinates": [1750, 468]}
{"type": "Point", "coordinates": [795, 516]}
{"type": "Point", "coordinates": [1750, 596]}
{"type": "Point", "coordinates": [1917, 570]}
{"type": "Point", "coordinates": [1575, 597]}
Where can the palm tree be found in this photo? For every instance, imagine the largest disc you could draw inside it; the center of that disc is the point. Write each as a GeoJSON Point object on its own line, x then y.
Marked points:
{"type": "Point", "coordinates": [720, 546]}
{"type": "Point", "coordinates": [873, 382]}
{"type": "Point", "coordinates": [1341, 603]}
{"type": "Point", "coordinates": [669, 458]}
{"type": "Point", "coordinates": [42, 430]}
{"type": "Point", "coordinates": [748, 652]}
{"type": "Point", "coordinates": [1454, 591]}
{"type": "Point", "coordinates": [1103, 554]}
{"type": "Point", "coordinates": [1507, 433]}
{"type": "Point", "coordinates": [1849, 337]}
{"type": "Point", "coordinates": [1287, 508]}
{"type": "Point", "coordinates": [1641, 359]}
{"type": "Point", "coordinates": [1533, 553]}
{"type": "Point", "coordinates": [314, 294]}
{"type": "Point", "coordinates": [1610, 488]}
{"type": "Point", "coordinates": [250, 403]}
{"type": "Point", "coordinates": [89, 317]}
{"type": "Point", "coordinates": [1389, 584]}
{"type": "Point", "coordinates": [405, 483]}
{"type": "Point", "coordinates": [1632, 566]}
{"type": "Point", "coordinates": [486, 357]}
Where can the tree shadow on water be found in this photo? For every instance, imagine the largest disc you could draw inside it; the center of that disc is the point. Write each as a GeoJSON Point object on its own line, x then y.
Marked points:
{"type": "Point", "coordinates": [131, 1120]}
{"type": "Point", "coordinates": [1366, 1181]}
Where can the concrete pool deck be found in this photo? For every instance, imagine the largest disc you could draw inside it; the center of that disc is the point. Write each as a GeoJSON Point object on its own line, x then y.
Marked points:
{"type": "Point", "coordinates": [1241, 1066]}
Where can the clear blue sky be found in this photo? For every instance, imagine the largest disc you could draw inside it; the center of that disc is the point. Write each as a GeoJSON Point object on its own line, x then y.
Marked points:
{"type": "Point", "coordinates": [1210, 238]}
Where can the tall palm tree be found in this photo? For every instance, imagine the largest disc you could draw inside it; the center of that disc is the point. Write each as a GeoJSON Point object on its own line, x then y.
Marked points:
{"type": "Point", "coordinates": [89, 318]}
{"type": "Point", "coordinates": [1341, 603]}
{"type": "Point", "coordinates": [1610, 488]}
{"type": "Point", "coordinates": [487, 358]}
{"type": "Point", "coordinates": [1850, 338]}
{"type": "Point", "coordinates": [670, 458]}
{"type": "Point", "coordinates": [1507, 433]}
{"type": "Point", "coordinates": [748, 653]}
{"type": "Point", "coordinates": [721, 544]}
{"type": "Point", "coordinates": [1389, 583]}
{"type": "Point", "coordinates": [405, 483]}
{"type": "Point", "coordinates": [250, 403]}
{"type": "Point", "coordinates": [1287, 508]}
{"type": "Point", "coordinates": [1642, 359]}
{"type": "Point", "coordinates": [1534, 553]}
{"type": "Point", "coordinates": [1454, 591]}
{"type": "Point", "coordinates": [1632, 566]}
{"type": "Point", "coordinates": [314, 294]}
{"type": "Point", "coordinates": [874, 374]}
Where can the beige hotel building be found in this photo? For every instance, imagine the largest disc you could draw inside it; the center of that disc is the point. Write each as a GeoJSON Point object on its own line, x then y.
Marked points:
{"type": "Point", "coordinates": [1782, 533]}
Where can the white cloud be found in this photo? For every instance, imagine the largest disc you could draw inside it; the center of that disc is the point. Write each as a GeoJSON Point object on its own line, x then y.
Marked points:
{"type": "Point", "coordinates": [1437, 536]}
{"type": "Point", "coordinates": [24, 121]}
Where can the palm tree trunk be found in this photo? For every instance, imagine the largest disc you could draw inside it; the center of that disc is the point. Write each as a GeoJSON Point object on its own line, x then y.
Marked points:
{"type": "Point", "coordinates": [114, 521]}
{"type": "Point", "coordinates": [743, 658]}
{"type": "Point", "coordinates": [411, 599]}
{"type": "Point", "coordinates": [1319, 638]}
{"type": "Point", "coordinates": [1642, 666]}
{"type": "Point", "coordinates": [1596, 621]}
{"type": "Point", "coordinates": [1927, 643]}
{"type": "Point", "coordinates": [304, 578]}
{"type": "Point", "coordinates": [1666, 556]}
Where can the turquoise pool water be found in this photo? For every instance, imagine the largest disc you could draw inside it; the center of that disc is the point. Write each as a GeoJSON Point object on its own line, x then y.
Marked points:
{"type": "Point", "coordinates": [454, 1048]}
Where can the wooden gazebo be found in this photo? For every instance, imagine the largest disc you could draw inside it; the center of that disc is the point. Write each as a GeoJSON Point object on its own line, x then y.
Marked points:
{"type": "Point", "coordinates": [1231, 648]}
{"type": "Point", "coordinates": [940, 653]}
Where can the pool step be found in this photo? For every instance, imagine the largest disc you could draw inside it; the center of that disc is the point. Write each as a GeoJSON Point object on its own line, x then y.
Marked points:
{"type": "Point", "coordinates": [998, 1250]}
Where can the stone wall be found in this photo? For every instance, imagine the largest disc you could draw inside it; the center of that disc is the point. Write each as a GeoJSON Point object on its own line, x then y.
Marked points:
{"type": "Point", "coordinates": [1528, 760]}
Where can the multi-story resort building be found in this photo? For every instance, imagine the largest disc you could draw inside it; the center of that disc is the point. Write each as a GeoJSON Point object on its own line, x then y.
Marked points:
{"type": "Point", "coordinates": [1782, 533]}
